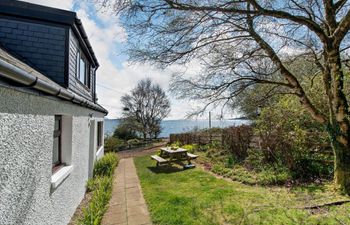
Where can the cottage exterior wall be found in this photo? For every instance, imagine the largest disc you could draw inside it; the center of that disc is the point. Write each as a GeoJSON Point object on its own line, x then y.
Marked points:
{"type": "Point", "coordinates": [26, 144]}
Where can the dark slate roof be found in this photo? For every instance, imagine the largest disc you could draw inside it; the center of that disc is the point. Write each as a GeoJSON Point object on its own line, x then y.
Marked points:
{"type": "Point", "coordinates": [48, 14]}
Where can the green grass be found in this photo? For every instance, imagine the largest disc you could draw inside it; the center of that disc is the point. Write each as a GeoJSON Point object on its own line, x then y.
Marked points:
{"type": "Point", "coordinates": [195, 197]}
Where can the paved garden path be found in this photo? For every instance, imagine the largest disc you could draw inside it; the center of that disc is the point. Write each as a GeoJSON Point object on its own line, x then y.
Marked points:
{"type": "Point", "coordinates": [127, 205]}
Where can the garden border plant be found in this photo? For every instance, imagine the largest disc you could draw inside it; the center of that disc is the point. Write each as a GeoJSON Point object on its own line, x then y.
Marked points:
{"type": "Point", "coordinates": [101, 187]}
{"type": "Point", "coordinates": [239, 156]}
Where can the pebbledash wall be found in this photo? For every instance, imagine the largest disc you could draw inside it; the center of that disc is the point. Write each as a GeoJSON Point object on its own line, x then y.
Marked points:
{"type": "Point", "coordinates": [26, 144]}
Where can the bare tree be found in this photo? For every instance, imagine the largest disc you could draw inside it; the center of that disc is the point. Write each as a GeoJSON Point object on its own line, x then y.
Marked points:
{"type": "Point", "coordinates": [246, 42]}
{"type": "Point", "coordinates": [146, 107]}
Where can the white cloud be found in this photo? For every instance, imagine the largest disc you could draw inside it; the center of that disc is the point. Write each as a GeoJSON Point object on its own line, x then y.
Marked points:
{"type": "Point", "coordinates": [113, 82]}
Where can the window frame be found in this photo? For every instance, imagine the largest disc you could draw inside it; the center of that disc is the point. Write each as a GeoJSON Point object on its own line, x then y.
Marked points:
{"type": "Point", "coordinates": [81, 57]}
{"type": "Point", "coordinates": [58, 134]}
{"type": "Point", "coordinates": [99, 134]}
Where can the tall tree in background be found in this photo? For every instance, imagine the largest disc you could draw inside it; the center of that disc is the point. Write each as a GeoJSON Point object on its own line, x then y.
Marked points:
{"type": "Point", "coordinates": [146, 106]}
{"type": "Point", "coordinates": [246, 42]}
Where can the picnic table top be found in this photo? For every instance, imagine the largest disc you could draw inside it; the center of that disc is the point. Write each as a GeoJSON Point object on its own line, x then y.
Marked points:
{"type": "Point", "coordinates": [171, 151]}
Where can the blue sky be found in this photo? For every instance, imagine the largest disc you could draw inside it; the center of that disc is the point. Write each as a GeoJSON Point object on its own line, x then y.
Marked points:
{"type": "Point", "coordinates": [116, 76]}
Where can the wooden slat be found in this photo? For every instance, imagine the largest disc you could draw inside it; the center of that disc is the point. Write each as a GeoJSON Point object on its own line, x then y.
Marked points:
{"type": "Point", "coordinates": [159, 159]}
{"type": "Point", "coordinates": [192, 156]}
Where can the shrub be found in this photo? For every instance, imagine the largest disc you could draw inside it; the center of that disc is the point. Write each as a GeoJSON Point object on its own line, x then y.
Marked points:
{"type": "Point", "coordinates": [124, 132]}
{"type": "Point", "coordinates": [175, 144]}
{"type": "Point", "coordinates": [134, 142]}
{"type": "Point", "coordinates": [220, 170]}
{"type": "Point", "coordinates": [113, 144]}
{"type": "Point", "coordinates": [273, 176]}
{"type": "Point", "coordinates": [91, 185]}
{"type": "Point", "coordinates": [310, 166]}
{"type": "Point", "coordinates": [101, 187]}
{"type": "Point", "coordinates": [203, 148]}
{"type": "Point", "coordinates": [241, 174]}
{"type": "Point", "coordinates": [190, 147]}
{"type": "Point", "coordinates": [94, 212]}
{"type": "Point", "coordinates": [230, 162]}
{"type": "Point", "coordinates": [288, 136]}
{"type": "Point", "coordinates": [255, 159]}
{"type": "Point", "coordinates": [237, 140]}
{"type": "Point", "coordinates": [106, 165]}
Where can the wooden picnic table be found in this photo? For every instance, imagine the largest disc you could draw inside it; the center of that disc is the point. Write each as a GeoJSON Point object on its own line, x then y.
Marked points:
{"type": "Point", "coordinates": [169, 155]}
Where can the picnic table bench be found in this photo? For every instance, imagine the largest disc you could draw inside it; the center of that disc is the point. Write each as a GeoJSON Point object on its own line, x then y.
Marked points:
{"type": "Point", "coordinates": [168, 156]}
{"type": "Point", "coordinates": [159, 160]}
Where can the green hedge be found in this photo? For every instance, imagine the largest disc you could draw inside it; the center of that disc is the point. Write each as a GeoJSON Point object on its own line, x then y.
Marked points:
{"type": "Point", "coordinates": [101, 187]}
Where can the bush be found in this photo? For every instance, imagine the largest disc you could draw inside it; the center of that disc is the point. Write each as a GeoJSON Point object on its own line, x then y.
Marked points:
{"type": "Point", "coordinates": [113, 144]}
{"type": "Point", "coordinates": [273, 176]}
{"type": "Point", "coordinates": [309, 166]}
{"type": "Point", "coordinates": [106, 165]}
{"type": "Point", "coordinates": [237, 140]}
{"type": "Point", "coordinates": [190, 148]}
{"type": "Point", "coordinates": [94, 212]}
{"type": "Point", "coordinates": [241, 174]}
{"type": "Point", "coordinates": [101, 187]}
{"type": "Point", "coordinates": [124, 132]}
{"type": "Point", "coordinates": [91, 185]}
{"type": "Point", "coordinates": [220, 170]}
{"type": "Point", "coordinates": [288, 136]}
{"type": "Point", "coordinates": [230, 162]}
{"type": "Point", "coordinates": [255, 160]}
{"type": "Point", "coordinates": [134, 142]}
{"type": "Point", "coordinates": [203, 148]}
{"type": "Point", "coordinates": [175, 144]}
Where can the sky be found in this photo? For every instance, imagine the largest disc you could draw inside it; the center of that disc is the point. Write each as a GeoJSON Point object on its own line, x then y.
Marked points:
{"type": "Point", "coordinates": [116, 76]}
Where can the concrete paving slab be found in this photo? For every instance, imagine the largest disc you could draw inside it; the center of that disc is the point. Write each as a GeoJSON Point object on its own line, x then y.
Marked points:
{"type": "Point", "coordinates": [127, 205]}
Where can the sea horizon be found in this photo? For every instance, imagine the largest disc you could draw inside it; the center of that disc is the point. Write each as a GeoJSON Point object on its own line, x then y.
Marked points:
{"type": "Point", "coordinates": [175, 126]}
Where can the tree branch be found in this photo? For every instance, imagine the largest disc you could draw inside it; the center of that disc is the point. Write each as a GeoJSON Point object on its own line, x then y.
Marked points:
{"type": "Point", "coordinates": [292, 80]}
{"type": "Point", "coordinates": [312, 25]}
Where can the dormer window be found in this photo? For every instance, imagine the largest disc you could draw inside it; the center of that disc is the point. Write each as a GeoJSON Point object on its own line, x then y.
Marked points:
{"type": "Point", "coordinates": [83, 69]}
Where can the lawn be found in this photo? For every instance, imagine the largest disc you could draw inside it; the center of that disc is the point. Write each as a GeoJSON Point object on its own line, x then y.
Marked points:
{"type": "Point", "coordinates": [175, 196]}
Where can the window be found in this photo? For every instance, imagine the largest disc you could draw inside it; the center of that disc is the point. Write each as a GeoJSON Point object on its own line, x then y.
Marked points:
{"type": "Point", "coordinates": [77, 65]}
{"type": "Point", "coordinates": [57, 144]}
{"type": "Point", "coordinates": [83, 69]}
{"type": "Point", "coordinates": [62, 150]}
{"type": "Point", "coordinates": [99, 134]}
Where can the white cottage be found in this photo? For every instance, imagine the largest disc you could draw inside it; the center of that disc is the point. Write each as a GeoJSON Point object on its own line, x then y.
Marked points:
{"type": "Point", "coordinates": [51, 126]}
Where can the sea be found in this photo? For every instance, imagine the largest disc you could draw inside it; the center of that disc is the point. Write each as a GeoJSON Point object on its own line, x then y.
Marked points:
{"type": "Point", "coordinates": [179, 126]}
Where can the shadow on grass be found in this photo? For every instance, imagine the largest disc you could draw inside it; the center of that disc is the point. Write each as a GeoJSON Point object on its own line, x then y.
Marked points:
{"type": "Point", "coordinates": [165, 169]}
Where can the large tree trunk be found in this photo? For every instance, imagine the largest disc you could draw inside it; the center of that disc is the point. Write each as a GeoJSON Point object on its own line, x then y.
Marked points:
{"type": "Point", "coordinates": [339, 123]}
{"type": "Point", "coordinates": [341, 165]}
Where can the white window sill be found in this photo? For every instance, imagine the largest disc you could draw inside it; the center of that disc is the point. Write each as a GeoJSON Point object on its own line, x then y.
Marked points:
{"type": "Point", "coordinates": [58, 177]}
